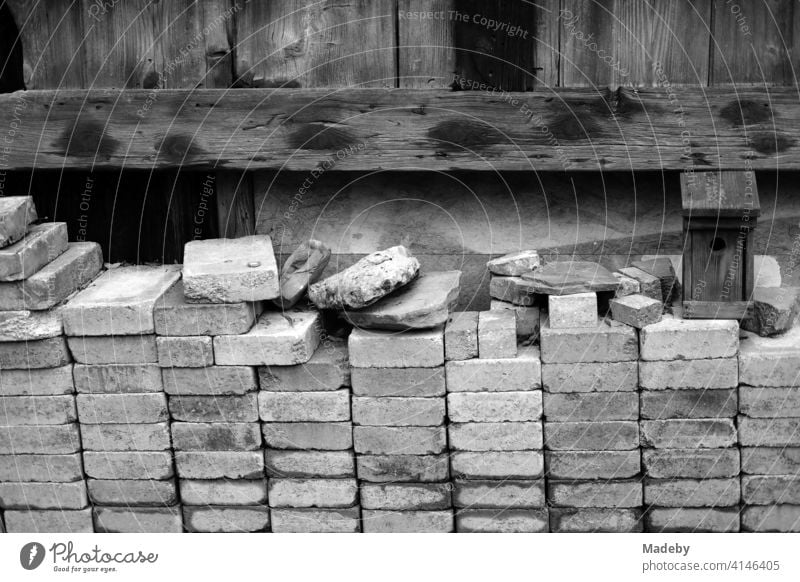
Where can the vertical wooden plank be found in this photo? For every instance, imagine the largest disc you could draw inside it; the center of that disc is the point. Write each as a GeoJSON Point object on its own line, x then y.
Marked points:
{"type": "Point", "coordinates": [11, 69]}
{"type": "Point", "coordinates": [588, 54]}
{"type": "Point", "coordinates": [426, 47]}
{"type": "Point", "coordinates": [235, 211]}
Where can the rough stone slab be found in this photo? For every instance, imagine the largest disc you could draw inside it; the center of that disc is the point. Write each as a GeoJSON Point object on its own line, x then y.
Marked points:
{"type": "Point", "coordinates": [770, 361]}
{"type": "Point", "coordinates": [210, 381]}
{"type": "Point", "coordinates": [771, 518]}
{"type": "Point", "coordinates": [49, 521]}
{"type": "Point", "coordinates": [16, 213]}
{"type": "Point", "coordinates": [409, 382]}
{"type": "Point", "coordinates": [502, 521]}
{"type": "Point", "coordinates": [690, 463]}
{"type": "Point", "coordinates": [649, 286]}
{"type": "Point", "coordinates": [119, 302]}
{"type": "Point", "coordinates": [610, 435]}
{"type": "Point", "coordinates": [403, 468]}
{"type": "Point", "coordinates": [589, 465]}
{"type": "Point", "coordinates": [25, 325]}
{"type": "Point", "coordinates": [174, 316]}
{"type": "Point", "coordinates": [514, 264]}
{"type": "Point", "coordinates": [495, 436]}
{"type": "Point", "coordinates": [43, 495]}
{"type": "Point", "coordinates": [243, 408]}
{"type": "Point", "coordinates": [689, 339]}
{"type": "Point", "coordinates": [670, 404]}
{"type": "Point", "coordinates": [331, 493]}
{"type": "Point", "coordinates": [692, 520]}
{"type": "Point", "coordinates": [423, 303]}
{"type": "Point", "coordinates": [277, 339]}
{"type": "Point", "coordinates": [497, 465]}
{"type": "Point", "coordinates": [126, 437]}
{"type": "Point", "coordinates": [285, 520]}
{"type": "Point", "coordinates": [570, 277]}
{"type": "Point", "coordinates": [575, 310]}
{"type": "Point", "coordinates": [56, 281]}
{"type": "Point", "coordinates": [221, 519]}
{"type": "Point", "coordinates": [627, 285]}
{"type": "Point", "coordinates": [59, 439]}
{"type": "Point", "coordinates": [42, 468]}
{"type": "Point", "coordinates": [303, 268]}
{"type": "Point", "coordinates": [771, 489]}
{"type": "Point", "coordinates": [612, 494]}
{"type": "Point", "coordinates": [391, 411]}
{"type": "Point", "coordinates": [514, 290]}
{"type": "Point", "coordinates": [692, 492]}
{"type": "Point", "coordinates": [128, 465]}
{"type": "Point", "coordinates": [461, 336]}
{"type": "Point", "coordinates": [494, 406]}
{"type": "Point", "coordinates": [590, 377]}
{"type": "Point", "coordinates": [505, 494]}
{"type": "Point", "coordinates": [717, 373]}
{"type": "Point", "coordinates": [497, 334]}
{"type": "Point", "coordinates": [383, 349]}
{"type": "Point", "coordinates": [46, 353]}
{"type": "Point", "coordinates": [594, 406]}
{"type": "Point", "coordinates": [219, 464]}
{"type": "Point", "coordinates": [405, 440]}
{"type": "Point", "coordinates": [304, 406]}
{"type": "Point", "coordinates": [769, 402]}
{"type": "Point", "coordinates": [122, 408]}
{"type": "Point", "coordinates": [523, 372]}
{"type": "Point", "coordinates": [185, 352]}
{"type": "Point", "coordinates": [688, 434]}
{"type": "Point", "coordinates": [327, 436]}
{"type": "Point", "coordinates": [40, 382]}
{"type": "Point", "coordinates": [230, 270]}
{"type": "Point", "coordinates": [132, 492]}
{"type": "Point", "coordinates": [609, 341]}
{"type": "Point", "coordinates": [223, 491]}
{"type": "Point", "coordinates": [406, 496]}
{"type": "Point", "coordinates": [528, 319]}
{"type": "Point", "coordinates": [232, 436]}
{"type": "Point", "coordinates": [117, 378]}
{"type": "Point", "coordinates": [37, 410]}
{"type": "Point", "coordinates": [595, 520]}
{"type": "Point", "coordinates": [328, 369]}
{"type": "Point", "coordinates": [771, 460]}
{"type": "Point", "coordinates": [119, 349]}
{"type": "Point", "coordinates": [310, 464]}
{"type": "Point", "coordinates": [139, 520]}
{"type": "Point", "coordinates": [384, 521]}
{"type": "Point", "coordinates": [662, 268]}
{"type": "Point", "coordinates": [636, 310]}
{"type": "Point", "coordinates": [775, 310]}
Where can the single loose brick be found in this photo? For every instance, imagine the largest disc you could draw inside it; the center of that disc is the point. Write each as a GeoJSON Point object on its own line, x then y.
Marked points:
{"type": "Point", "coordinates": [528, 318]}
{"type": "Point", "coordinates": [232, 436]}
{"type": "Point", "coordinates": [770, 361]}
{"type": "Point", "coordinates": [588, 465]}
{"type": "Point", "coordinates": [46, 353]}
{"type": "Point", "coordinates": [43, 495]}
{"type": "Point", "coordinates": [132, 492]}
{"type": "Point", "coordinates": [37, 410]}
{"type": "Point", "coordinates": [716, 373]}
{"type": "Point", "coordinates": [404, 440]}
{"type": "Point", "coordinates": [497, 334]}
{"type": "Point", "coordinates": [54, 439]}
{"type": "Point", "coordinates": [384, 521]}
{"type": "Point", "coordinates": [330, 493]}
{"type": "Point", "coordinates": [771, 489]}
{"type": "Point", "coordinates": [494, 406]}
{"type": "Point", "coordinates": [310, 520]}
{"type": "Point", "coordinates": [56, 521]}
{"type": "Point", "coordinates": [304, 406]}
{"type": "Point", "coordinates": [219, 464]}
{"type": "Point", "coordinates": [117, 378]}
{"type": "Point", "coordinates": [122, 408]}
{"type": "Point", "coordinates": [406, 496]}
{"type": "Point", "coordinates": [595, 520]}
{"type": "Point", "coordinates": [506, 521]}
{"type": "Point", "coordinates": [119, 349]}
{"type": "Point", "coordinates": [495, 436]}
{"type": "Point", "coordinates": [769, 402]}
{"type": "Point", "coordinates": [310, 464]}
{"type": "Point", "coordinates": [461, 336]}
{"type": "Point", "coordinates": [328, 369]}
{"type": "Point", "coordinates": [609, 435]}
{"type": "Point", "coordinates": [126, 437]}
{"type": "Point", "coordinates": [771, 518]}
{"type": "Point", "coordinates": [496, 375]}
{"type": "Point", "coordinates": [692, 519]}
{"type": "Point", "coordinates": [690, 463]}
{"type": "Point", "coordinates": [385, 349]}
{"type": "Point", "coordinates": [503, 494]}
{"type": "Point", "coordinates": [223, 491]}
{"type": "Point", "coordinates": [614, 494]}
{"type": "Point", "coordinates": [769, 432]}
{"type": "Point", "coordinates": [636, 310]}
{"type": "Point", "coordinates": [597, 406]}
{"type": "Point", "coordinates": [498, 465]}
{"type": "Point", "coordinates": [139, 520]}
{"type": "Point", "coordinates": [43, 382]}
{"type": "Point", "coordinates": [222, 519]}
{"type": "Point", "coordinates": [402, 468]}
{"type": "Point", "coordinates": [391, 411]}
{"type": "Point", "coordinates": [689, 339]}
{"type": "Point", "coordinates": [591, 377]}
{"type": "Point", "coordinates": [210, 381]}
{"type": "Point", "coordinates": [668, 404]}
{"type": "Point", "coordinates": [185, 352]}
{"type": "Point", "coordinates": [330, 436]}
{"type": "Point", "coordinates": [242, 408]}
{"type": "Point", "coordinates": [771, 460]}
{"type": "Point", "coordinates": [688, 433]}
{"type": "Point", "coordinates": [423, 382]}
{"type": "Point", "coordinates": [128, 465]}
{"type": "Point", "coordinates": [53, 468]}
{"type": "Point", "coordinates": [609, 341]}
{"type": "Point", "coordinates": [569, 311]}
{"type": "Point", "coordinates": [692, 492]}
{"type": "Point", "coordinates": [649, 285]}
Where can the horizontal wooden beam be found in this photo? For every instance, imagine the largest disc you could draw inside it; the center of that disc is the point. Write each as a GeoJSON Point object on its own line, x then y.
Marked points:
{"type": "Point", "coordinates": [400, 129]}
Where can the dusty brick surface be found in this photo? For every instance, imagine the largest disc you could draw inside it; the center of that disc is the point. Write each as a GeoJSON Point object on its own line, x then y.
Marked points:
{"type": "Point", "coordinates": [330, 493]}
{"type": "Point", "coordinates": [692, 520]}
{"type": "Point", "coordinates": [223, 491]}
{"type": "Point", "coordinates": [612, 494]}
{"type": "Point", "coordinates": [494, 406]}
{"type": "Point", "coordinates": [120, 349]}
{"type": "Point", "coordinates": [690, 463]}
{"type": "Point", "coordinates": [702, 374]}
{"type": "Point", "coordinates": [54, 440]}
{"type": "Point", "coordinates": [117, 378]}
{"type": "Point", "coordinates": [405, 440]}
{"type": "Point", "coordinates": [406, 496]}
{"type": "Point", "coordinates": [514, 290]}
{"type": "Point", "coordinates": [390, 411]}
{"type": "Point", "coordinates": [596, 406]}
{"type": "Point", "coordinates": [576, 310]}
{"type": "Point", "coordinates": [285, 520]}
{"type": "Point", "coordinates": [670, 404]}
{"type": "Point", "coordinates": [126, 437]}
{"type": "Point", "coordinates": [219, 464]}
{"type": "Point", "coordinates": [240, 408]}
{"type": "Point", "coordinates": [310, 464]}
{"type": "Point", "coordinates": [497, 334]}
{"type": "Point", "coordinates": [590, 377]}
{"type": "Point", "coordinates": [62, 468]}
{"type": "Point", "coordinates": [504, 494]}
{"type": "Point", "coordinates": [523, 372]}
{"type": "Point", "coordinates": [636, 310]}
{"type": "Point", "coordinates": [689, 339]}
{"type": "Point", "coordinates": [37, 410]}
{"type": "Point", "coordinates": [328, 369]}
{"type": "Point", "coordinates": [769, 402]}
{"type": "Point", "coordinates": [461, 336]}
{"type": "Point", "coordinates": [588, 465]}
{"type": "Point", "coordinates": [692, 492]}
{"type": "Point", "coordinates": [609, 341]}
{"type": "Point", "coordinates": [688, 434]}
{"type": "Point", "coordinates": [528, 318]}
{"type": "Point", "coordinates": [587, 520]}
{"type": "Point", "coordinates": [769, 432]}
{"type": "Point", "coordinates": [139, 520]}
{"type": "Point", "coordinates": [385, 521]}
{"type": "Point", "coordinates": [771, 489]}
{"type": "Point", "coordinates": [609, 435]}
{"type": "Point", "coordinates": [402, 468]}
{"type": "Point", "coordinates": [771, 518]}
{"type": "Point", "coordinates": [506, 521]}
{"type": "Point", "coordinates": [16, 213]}
{"type": "Point", "coordinates": [497, 465]}
{"type": "Point", "coordinates": [649, 285]}
{"type": "Point", "coordinates": [398, 381]}
{"type": "Point", "coordinates": [42, 382]}
{"type": "Point", "coordinates": [24, 325]}
{"type": "Point", "coordinates": [128, 465]}
{"type": "Point", "coordinates": [122, 408]}
{"type": "Point", "coordinates": [221, 519]}
{"type": "Point", "coordinates": [132, 492]}
{"type": "Point", "coordinates": [43, 495]}
{"type": "Point", "coordinates": [770, 361]}
{"type": "Point", "coordinates": [495, 436]}
{"type": "Point", "coordinates": [210, 381]}
{"type": "Point", "coordinates": [384, 349]}
{"type": "Point", "coordinates": [185, 352]}
{"type": "Point", "coordinates": [46, 353]}
{"type": "Point", "coordinates": [304, 406]}
{"type": "Point", "coordinates": [771, 460]}
{"type": "Point", "coordinates": [56, 521]}
{"type": "Point", "coordinates": [195, 436]}
{"type": "Point", "coordinates": [327, 436]}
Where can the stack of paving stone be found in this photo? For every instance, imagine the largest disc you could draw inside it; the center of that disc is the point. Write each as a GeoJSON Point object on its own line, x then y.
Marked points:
{"type": "Point", "coordinates": [494, 402]}
{"type": "Point", "coordinates": [122, 407]}
{"type": "Point", "coordinates": [509, 291]}
{"type": "Point", "coordinates": [769, 432]}
{"type": "Point", "coordinates": [688, 375]}
{"type": "Point", "coordinates": [42, 487]}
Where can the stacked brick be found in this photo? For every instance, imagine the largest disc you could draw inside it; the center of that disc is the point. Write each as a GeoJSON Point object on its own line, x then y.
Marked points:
{"type": "Point", "coordinates": [400, 438]}
{"type": "Point", "coordinates": [494, 403]}
{"type": "Point", "coordinates": [510, 292]}
{"type": "Point", "coordinates": [769, 432]}
{"type": "Point", "coordinates": [688, 375]}
{"type": "Point", "coordinates": [42, 486]}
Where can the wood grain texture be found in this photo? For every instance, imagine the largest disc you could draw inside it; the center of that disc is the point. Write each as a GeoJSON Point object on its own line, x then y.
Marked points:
{"type": "Point", "coordinates": [426, 48]}
{"type": "Point", "coordinates": [588, 55]}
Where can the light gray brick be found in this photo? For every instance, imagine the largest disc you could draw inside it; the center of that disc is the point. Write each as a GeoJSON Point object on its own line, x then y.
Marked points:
{"type": "Point", "coordinates": [521, 373]}
{"type": "Point", "coordinates": [304, 406]}
{"type": "Point", "coordinates": [404, 440]}
{"type": "Point", "coordinates": [495, 436]}
{"type": "Point", "coordinates": [590, 377]}
{"type": "Point", "coordinates": [390, 411]}
{"type": "Point", "coordinates": [613, 494]}
{"type": "Point", "coordinates": [494, 406]}
{"type": "Point", "coordinates": [608, 435]}
{"type": "Point", "coordinates": [593, 406]}
{"type": "Point", "coordinates": [505, 494]}
{"type": "Point", "coordinates": [497, 465]}
{"type": "Point", "coordinates": [690, 433]}
{"type": "Point", "coordinates": [692, 492]}
{"type": "Point", "coordinates": [330, 493]}
{"type": "Point", "coordinates": [407, 382]}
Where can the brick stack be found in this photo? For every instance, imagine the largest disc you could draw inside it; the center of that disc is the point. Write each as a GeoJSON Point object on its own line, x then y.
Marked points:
{"type": "Point", "coordinates": [122, 407]}
{"type": "Point", "coordinates": [769, 432]}
{"type": "Point", "coordinates": [510, 292]}
{"type": "Point", "coordinates": [688, 374]}
{"type": "Point", "coordinates": [42, 487]}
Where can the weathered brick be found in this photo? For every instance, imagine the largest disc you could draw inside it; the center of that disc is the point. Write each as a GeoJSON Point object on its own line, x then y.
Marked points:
{"type": "Point", "coordinates": [49, 521]}
{"type": "Point", "coordinates": [609, 435]}
{"type": "Point", "coordinates": [609, 341]}
{"type": "Point", "coordinates": [185, 352]}
{"type": "Point", "coordinates": [119, 302]}
{"type": "Point", "coordinates": [210, 381]}
{"type": "Point", "coordinates": [649, 285]}
{"type": "Point", "coordinates": [219, 464]}
{"type": "Point", "coordinates": [326, 436]}
{"type": "Point", "coordinates": [637, 310]}
{"type": "Point", "coordinates": [461, 336]}
{"type": "Point", "coordinates": [662, 267]}
{"type": "Point", "coordinates": [221, 519]}
{"type": "Point", "coordinates": [690, 463]}
{"type": "Point", "coordinates": [769, 402]}
{"type": "Point", "coordinates": [144, 408]}
{"type": "Point", "coordinates": [46, 353]}
{"type": "Point", "coordinates": [53, 440]}
{"type": "Point", "coordinates": [498, 465]}
{"type": "Point", "coordinates": [330, 493]}
{"type": "Point", "coordinates": [506, 521]}
{"type": "Point", "coordinates": [384, 521]}
{"type": "Point", "coordinates": [402, 468]}
{"type": "Point", "coordinates": [514, 290]}
{"type": "Point", "coordinates": [223, 491]}
{"type": "Point", "coordinates": [614, 494]}
{"type": "Point", "coordinates": [139, 520]}
{"type": "Point", "coordinates": [16, 213]}
{"type": "Point", "coordinates": [771, 461]}
{"type": "Point", "coordinates": [771, 489]}
{"type": "Point", "coordinates": [495, 436]}
{"type": "Point", "coordinates": [37, 410]}
{"type": "Point", "coordinates": [717, 373]}
{"type": "Point", "coordinates": [406, 496]}
{"type": "Point", "coordinates": [310, 464]}
{"type": "Point", "coordinates": [595, 519]}
{"type": "Point", "coordinates": [52, 468]}
{"type": "Point", "coordinates": [277, 339]}
{"type": "Point", "coordinates": [588, 465]}
{"type": "Point", "coordinates": [770, 361]}
{"type": "Point", "coordinates": [128, 465]}
{"type": "Point", "coordinates": [769, 432]}
{"type": "Point", "coordinates": [697, 433]}
{"type": "Point", "coordinates": [692, 492]}
{"type": "Point", "coordinates": [43, 382]}
{"type": "Point", "coordinates": [570, 311]}
{"type": "Point", "coordinates": [496, 375]}
{"type": "Point", "coordinates": [126, 437]}
{"type": "Point", "coordinates": [497, 334]}
{"type": "Point", "coordinates": [423, 382]}
{"type": "Point", "coordinates": [528, 318]}
{"type": "Point", "coordinates": [503, 494]}
{"type": "Point", "coordinates": [117, 378]}
{"type": "Point", "coordinates": [43, 495]}
{"type": "Point", "coordinates": [230, 436]}
{"type": "Point", "coordinates": [494, 406]}
{"type": "Point", "coordinates": [405, 440]}
{"type": "Point", "coordinates": [390, 411]}
{"type": "Point", "coordinates": [25, 325]}
{"type": "Point", "coordinates": [594, 406]}
{"type": "Point", "coordinates": [119, 349]}
{"type": "Point", "coordinates": [689, 339]}
{"type": "Point", "coordinates": [590, 377]}
{"type": "Point", "coordinates": [328, 369]}
{"type": "Point", "coordinates": [304, 406]}
{"type": "Point", "coordinates": [692, 519]}
{"type": "Point", "coordinates": [669, 404]}
{"type": "Point", "coordinates": [386, 349]}
{"type": "Point", "coordinates": [771, 518]}
{"type": "Point", "coordinates": [310, 520]}
{"type": "Point", "coordinates": [132, 492]}
{"type": "Point", "coordinates": [243, 408]}
{"type": "Point", "coordinates": [627, 285]}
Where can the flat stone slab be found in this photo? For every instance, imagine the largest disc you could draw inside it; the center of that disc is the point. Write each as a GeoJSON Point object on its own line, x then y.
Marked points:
{"type": "Point", "coordinates": [16, 213]}
{"type": "Point", "coordinates": [370, 279]}
{"type": "Point", "coordinates": [514, 264]}
{"type": "Point", "coordinates": [230, 270]}
{"type": "Point", "coordinates": [568, 277]}
{"type": "Point", "coordinates": [775, 310]}
{"type": "Point", "coordinates": [56, 281]}
{"type": "Point", "coordinates": [24, 325]}
{"type": "Point", "coordinates": [43, 243]}
{"type": "Point", "coordinates": [119, 302]}
{"type": "Point", "coordinates": [425, 302]}
{"type": "Point", "coordinates": [303, 268]}
{"type": "Point", "coordinates": [689, 339]}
